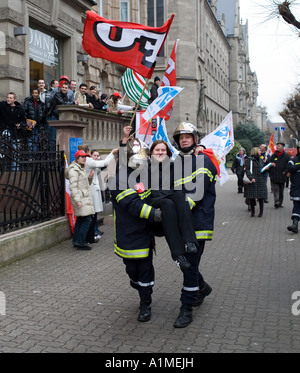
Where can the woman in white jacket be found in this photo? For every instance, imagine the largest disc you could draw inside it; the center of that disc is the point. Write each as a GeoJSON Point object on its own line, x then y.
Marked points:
{"type": "Point", "coordinates": [93, 164]}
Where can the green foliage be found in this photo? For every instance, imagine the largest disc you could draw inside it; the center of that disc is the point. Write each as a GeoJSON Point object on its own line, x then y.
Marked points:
{"type": "Point", "coordinates": [233, 152]}
{"type": "Point", "coordinates": [247, 144]}
{"type": "Point", "coordinates": [249, 135]}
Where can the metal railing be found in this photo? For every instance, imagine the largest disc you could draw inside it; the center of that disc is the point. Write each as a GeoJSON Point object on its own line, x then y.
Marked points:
{"type": "Point", "coordinates": [31, 181]}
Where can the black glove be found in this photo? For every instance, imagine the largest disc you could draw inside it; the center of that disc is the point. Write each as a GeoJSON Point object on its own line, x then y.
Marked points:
{"type": "Point", "coordinates": [157, 216]}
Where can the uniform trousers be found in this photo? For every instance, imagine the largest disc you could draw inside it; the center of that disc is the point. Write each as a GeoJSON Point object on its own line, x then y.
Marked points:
{"type": "Point", "coordinates": [192, 278]}
{"type": "Point", "coordinates": [296, 210]}
{"type": "Point", "coordinates": [141, 274]}
{"type": "Point", "coordinates": [177, 222]}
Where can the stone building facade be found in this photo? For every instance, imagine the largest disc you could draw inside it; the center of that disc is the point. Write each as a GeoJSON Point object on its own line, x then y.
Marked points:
{"type": "Point", "coordinates": [42, 39]}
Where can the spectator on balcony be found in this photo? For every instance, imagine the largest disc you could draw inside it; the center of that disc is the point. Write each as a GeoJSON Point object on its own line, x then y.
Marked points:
{"type": "Point", "coordinates": [61, 97]}
{"type": "Point", "coordinates": [72, 88]}
{"type": "Point", "coordinates": [94, 97]}
{"type": "Point", "coordinates": [153, 90]}
{"type": "Point", "coordinates": [103, 102]}
{"type": "Point", "coordinates": [115, 106]}
{"type": "Point", "coordinates": [12, 117]}
{"type": "Point", "coordinates": [44, 94]}
{"type": "Point", "coordinates": [54, 84]}
{"type": "Point", "coordinates": [35, 116]}
{"type": "Point", "coordinates": [64, 79]}
{"type": "Point", "coordinates": [82, 97]}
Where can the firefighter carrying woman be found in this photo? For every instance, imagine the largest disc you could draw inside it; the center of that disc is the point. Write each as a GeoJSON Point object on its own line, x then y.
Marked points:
{"type": "Point", "coordinates": [141, 200]}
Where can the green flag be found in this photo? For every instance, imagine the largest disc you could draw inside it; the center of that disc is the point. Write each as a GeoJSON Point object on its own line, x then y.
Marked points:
{"type": "Point", "coordinates": [133, 84]}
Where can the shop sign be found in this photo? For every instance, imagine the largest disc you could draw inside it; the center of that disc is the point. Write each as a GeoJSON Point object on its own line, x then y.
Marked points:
{"type": "Point", "coordinates": [43, 48]}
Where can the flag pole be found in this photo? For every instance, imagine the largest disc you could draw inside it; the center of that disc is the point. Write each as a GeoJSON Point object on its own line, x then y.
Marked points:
{"type": "Point", "coordinates": [138, 104]}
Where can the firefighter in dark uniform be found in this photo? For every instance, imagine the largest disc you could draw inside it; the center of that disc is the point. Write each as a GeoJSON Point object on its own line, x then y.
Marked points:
{"type": "Point", "coordinates": [293, 167]}
{"type": "Point", "coordinates": [196, 175]}
{"type": "Point", "coordinates": [133, 240]}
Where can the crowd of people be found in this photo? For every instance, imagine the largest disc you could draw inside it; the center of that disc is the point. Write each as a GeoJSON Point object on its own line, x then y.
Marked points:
{"type": "Point", "coordinates": [279, 168]}
{"type": "Point", "coordinates": [40, 108]}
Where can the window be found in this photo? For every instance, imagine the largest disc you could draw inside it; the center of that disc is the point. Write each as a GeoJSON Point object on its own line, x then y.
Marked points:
{"type": "Point", "coordinates": [124, 11]}
{"type": "Point", "coordinates": [45, 56]}
{"type": "Point", "coordinates": [156, 16]}
{"type": "Point", "coordinates": [2, 44]}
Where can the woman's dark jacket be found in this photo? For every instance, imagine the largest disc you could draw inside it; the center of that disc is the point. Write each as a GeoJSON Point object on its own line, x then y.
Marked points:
{"type": "Point", "coordinates": [257, 190]}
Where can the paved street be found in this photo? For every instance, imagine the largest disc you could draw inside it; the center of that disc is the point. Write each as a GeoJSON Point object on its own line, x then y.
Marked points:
{"type": "Point", "coordinates": [64, 300]}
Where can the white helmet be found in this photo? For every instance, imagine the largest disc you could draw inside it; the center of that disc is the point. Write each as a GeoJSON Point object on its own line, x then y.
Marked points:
{"type": "Point", "coordinates": [185, 127]}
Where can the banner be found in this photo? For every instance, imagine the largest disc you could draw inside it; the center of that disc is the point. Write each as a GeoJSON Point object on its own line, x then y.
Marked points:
{"type": "Point", "coordinates": [145, 130]}
{"type": "Point", "coordinates": [271, 147]}
{"type": "Point", "coordinates": [165, 95]}
{"type": "Point", "coordinates": [169, 79]}
{"type": "Point", "coordinates": [125, 43]}
{"type": "Point", "coordinates": [221, 141]}
{"type": "Point", "coordinates": [133, 84]}
{"type": "Point", "coordinates": [153, 130]}
{"type": "Point", "coordinates": [161, 134]}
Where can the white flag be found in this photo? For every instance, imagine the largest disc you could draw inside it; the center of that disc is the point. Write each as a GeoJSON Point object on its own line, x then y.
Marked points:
{"type": "Point", "coordinates": [165, 95]}
{"type": "Point", "coordinates": [221, 141]}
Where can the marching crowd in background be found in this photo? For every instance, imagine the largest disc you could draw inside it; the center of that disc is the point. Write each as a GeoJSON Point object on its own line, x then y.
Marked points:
{"type": "Point", "coordinates": [254, 171]}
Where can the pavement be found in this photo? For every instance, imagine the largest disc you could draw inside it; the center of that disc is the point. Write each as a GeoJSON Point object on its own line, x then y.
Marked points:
{"type": "Point", "coordinates": [62, 300]}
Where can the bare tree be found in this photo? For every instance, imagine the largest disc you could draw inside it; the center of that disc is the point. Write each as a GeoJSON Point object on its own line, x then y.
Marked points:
{"type": "Point", "coordinates": [285, 12]}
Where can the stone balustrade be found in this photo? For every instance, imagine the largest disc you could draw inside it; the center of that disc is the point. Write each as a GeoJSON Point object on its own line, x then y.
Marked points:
{"type": "Point", "coordinates": [99, 129]}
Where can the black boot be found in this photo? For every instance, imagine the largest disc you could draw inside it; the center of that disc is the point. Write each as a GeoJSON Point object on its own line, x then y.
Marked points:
{"type": "Point", "coordinates": [145, 309]}
{"type": "Point", "coordinates": [204, 292]}
{"type": "Point", "coordinates": [294, 226]}
{"type": "Point", "coordinates": [240, 190]}
{"type": "Point", "coordinates": [190, 247]}
{"type": "Point", "coordinates": [261, 207]}
{"type": "Point", "coordinates": [185, 317]}
{"type": "Point", "coordinates": [252, 204]}
{"type": "Point", "coordinates": [182, 262]}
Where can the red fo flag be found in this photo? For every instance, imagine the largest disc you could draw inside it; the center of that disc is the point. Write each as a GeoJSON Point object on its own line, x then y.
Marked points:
{"type": "Point", "coordinates": [271, 147]}
{"type": "Point", "coordinates": [129, 44]}
{"type": "Point", "coordinates": [169, 79]}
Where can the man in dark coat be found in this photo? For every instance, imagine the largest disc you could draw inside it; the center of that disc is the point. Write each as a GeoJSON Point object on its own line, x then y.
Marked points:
{"type": "Point", "coordinates": [278, 173]}
{"type": "Point", "coordinates": [12, 117]}
{"type": "Point", "coordinates": [35, 110]}
{"type": "Point", "coordinates": [153, 90]}
{"type": "Point", "coordinates": [293, 167]}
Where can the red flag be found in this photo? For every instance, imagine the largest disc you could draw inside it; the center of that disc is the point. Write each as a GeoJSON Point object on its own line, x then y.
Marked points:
{"type": "Point", "coordinates": [169, 79]}
{"type": "Point", "coordinates": [271, 147]}
{"type": "Point", "coordinates": [125, 43]}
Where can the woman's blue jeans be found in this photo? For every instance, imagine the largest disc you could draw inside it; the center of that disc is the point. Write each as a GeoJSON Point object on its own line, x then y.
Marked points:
{"type": "Point", "coordinates": [81, 229]}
